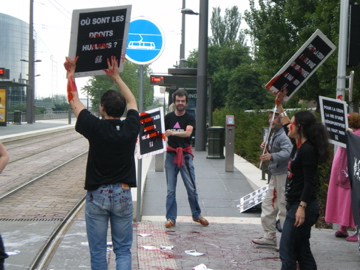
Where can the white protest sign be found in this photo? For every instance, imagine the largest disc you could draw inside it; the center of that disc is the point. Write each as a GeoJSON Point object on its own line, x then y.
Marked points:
{"type": "Point", "coordinates": [302, 65]}
{"type": "Point", "coordinates": [252, 199]}
{"type": "Point", "coordinates": [96, 35]}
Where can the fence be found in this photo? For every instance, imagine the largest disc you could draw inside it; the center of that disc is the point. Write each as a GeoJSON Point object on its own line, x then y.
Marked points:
{"type": "Point", "coordinates": [18, 117]}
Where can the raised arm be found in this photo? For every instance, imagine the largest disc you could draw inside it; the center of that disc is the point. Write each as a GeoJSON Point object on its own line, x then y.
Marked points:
{"type": "Point", "coordinates": [278, 102]}
{"type": "Point", "coordinates": [113, 73]}
{"type": "Point", "coordinates": [4, 157]}
{"type": "Point", "coordinates": [73, 96]}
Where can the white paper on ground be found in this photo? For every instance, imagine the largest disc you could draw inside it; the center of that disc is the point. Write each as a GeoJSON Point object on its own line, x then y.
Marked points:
{"type": "Point", "coordinates": [194, 253]}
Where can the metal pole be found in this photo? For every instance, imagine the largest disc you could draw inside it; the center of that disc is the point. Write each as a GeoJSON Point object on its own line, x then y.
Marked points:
{"type": "Point", "coordinates": [343, 37]}
{"type": "Point", "coordinates": [182, 45]}
{"type": "Point", "coordinates": [200, 132]}
{"type": "Point", "coordinates": [30, 117]}
{"type": "Point", "coordinates": [139, 185]}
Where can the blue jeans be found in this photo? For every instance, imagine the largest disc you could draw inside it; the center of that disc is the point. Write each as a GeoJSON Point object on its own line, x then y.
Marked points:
{"type": "Point", "coordinates": [188, 175]}
{"type": "Point", "coordinates": [295, 241]}
{"type": "Point", "coordinates": [114, 203]}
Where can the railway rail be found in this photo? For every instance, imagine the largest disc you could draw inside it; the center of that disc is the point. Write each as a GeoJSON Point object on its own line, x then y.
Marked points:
{"type": "Point", "coordinates": [43, 183]}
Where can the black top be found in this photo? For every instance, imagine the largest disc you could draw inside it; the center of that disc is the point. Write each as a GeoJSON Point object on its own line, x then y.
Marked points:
{"type": "Point", "coordinates": [111, 148]}
{"type": "Point", "coordinates": [179, 123]}
{"type": "Point", "coordinates": [301, 182]}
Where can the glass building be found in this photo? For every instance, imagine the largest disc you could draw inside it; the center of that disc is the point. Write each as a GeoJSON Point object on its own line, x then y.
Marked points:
{"type": "Point", "coordinates": [14, 54]}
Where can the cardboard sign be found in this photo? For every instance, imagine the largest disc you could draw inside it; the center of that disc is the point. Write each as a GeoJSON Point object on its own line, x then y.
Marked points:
{"type": "Point", "coordinates": [151, 140]}
{"type": "Point", "coordinates": [252, 199]}
{"type": "Point", "coordinates": [334, 117]}
{"type": "Point", "coordinates": [96, 35]}
{"type": "Point", "coordinates": [302, 65]}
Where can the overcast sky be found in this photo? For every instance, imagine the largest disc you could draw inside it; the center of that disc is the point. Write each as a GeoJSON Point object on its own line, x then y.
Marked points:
{"type": "Point", "coordinates": [52, 22]}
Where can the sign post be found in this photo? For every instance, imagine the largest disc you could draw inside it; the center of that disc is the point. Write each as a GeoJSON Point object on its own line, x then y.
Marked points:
{"type": "Point", "coordinates": [145, 44]}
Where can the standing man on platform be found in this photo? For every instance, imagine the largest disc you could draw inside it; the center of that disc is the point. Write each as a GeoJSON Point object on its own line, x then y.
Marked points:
{"type": "Point", "coordinates": [179, 126]}
{"type": "Point", "coordinates": [4, 158]}
{"type": "Point", "coordinates": [277, 154]}
{"type": "Point", "coordinates": [110, 171]}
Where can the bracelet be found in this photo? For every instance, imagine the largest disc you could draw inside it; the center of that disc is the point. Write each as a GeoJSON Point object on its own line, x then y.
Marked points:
{"type": "Point", "coordinates": [303, 206]}
{"type": "Point", "coordinates": [282, 114]}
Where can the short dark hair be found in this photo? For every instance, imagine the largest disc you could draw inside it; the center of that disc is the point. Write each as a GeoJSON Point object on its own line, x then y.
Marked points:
{"type": "Point", "coordinates": [114, 103]}
{"type": "Point", "coordinates": [180, 93]}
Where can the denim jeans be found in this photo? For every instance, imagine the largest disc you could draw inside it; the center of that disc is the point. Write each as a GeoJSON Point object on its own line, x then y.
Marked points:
{"type": "Point", "coordinates": [114, 203]}
{"type": "Point", "coordinates": [188, 175]}
{"type": "Point", "coordinates": [295, 241]}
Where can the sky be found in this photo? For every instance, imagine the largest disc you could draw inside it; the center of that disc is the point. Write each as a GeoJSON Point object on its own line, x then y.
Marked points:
{"type": "Point", "coordinates": [52, 22]}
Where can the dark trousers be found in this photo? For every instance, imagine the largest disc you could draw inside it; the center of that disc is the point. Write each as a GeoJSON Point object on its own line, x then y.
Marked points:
{"type": "Point", "coordinates": [295, 241]}
{"type": "Point", "coordinates": [3, 255]}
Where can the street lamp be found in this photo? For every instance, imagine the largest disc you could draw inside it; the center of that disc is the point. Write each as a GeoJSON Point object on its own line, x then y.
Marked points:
{"type": "Point", "coordinates": [184, 11]}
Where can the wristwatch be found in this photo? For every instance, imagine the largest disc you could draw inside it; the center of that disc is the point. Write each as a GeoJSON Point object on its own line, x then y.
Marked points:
{"type": "Point", "coordinates": [303, 206]}
{"type": "Point", "coordinates": [282, 114]}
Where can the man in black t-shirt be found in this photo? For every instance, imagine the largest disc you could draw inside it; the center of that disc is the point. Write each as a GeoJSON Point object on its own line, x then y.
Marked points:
{"type": "Point", "coordinates": [110, 170]}
{"type": "Point", "coordinates": [179, 126]}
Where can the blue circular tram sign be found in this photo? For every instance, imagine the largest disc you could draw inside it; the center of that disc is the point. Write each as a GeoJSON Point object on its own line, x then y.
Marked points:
{"type": "Point", "coordinates": [145, 42]}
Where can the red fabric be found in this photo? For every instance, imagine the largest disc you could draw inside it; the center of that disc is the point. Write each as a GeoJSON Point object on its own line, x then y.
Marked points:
{"type": "Point", "coordinates": [179, 157]}
{"type": "Point", "coordinates": [273, 198]}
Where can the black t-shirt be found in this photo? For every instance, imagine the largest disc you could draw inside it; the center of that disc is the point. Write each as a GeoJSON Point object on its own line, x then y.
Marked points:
{"type": "Point", "coordinates": [301, 182]}
{"type": "Point", "coordinates": [179, 123]}
{"type": "Point", "coordinates": [111, 148]}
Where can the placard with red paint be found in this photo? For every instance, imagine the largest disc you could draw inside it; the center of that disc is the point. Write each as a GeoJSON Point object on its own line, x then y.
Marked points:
{"type": "Point", "coordinates": [302, 65]}
{"type": "Point", "coordinates": [151, 140]}
{"type": "Point", "coordinates": [96, 35]}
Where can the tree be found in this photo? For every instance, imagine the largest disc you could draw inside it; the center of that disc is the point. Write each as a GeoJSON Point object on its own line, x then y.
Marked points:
{"type": "Point", "coordinates": [98, 85]}
{"type": "Point", "coordinates": [226, 31]}
{"type": "Point", "coordinates": [278, 29]}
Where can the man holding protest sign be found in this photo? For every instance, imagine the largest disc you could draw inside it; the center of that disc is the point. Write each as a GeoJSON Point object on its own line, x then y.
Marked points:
{"type": "Point", "coordinates": [179, 126]}
{"type": "Point", "coordinates": [277, 153]}
{"type": "Point", "coordinates": [110, 171]}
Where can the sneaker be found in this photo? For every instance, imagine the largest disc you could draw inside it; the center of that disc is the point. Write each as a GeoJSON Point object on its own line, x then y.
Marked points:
{"type": "Point", "coordinates": [353, 238]}
{"type": "Point", "coordinates": [202, 221]}
{"type": "Point", "coordinates": [170, 223]}
{"type": "Point", "coordinates": [265, 241]}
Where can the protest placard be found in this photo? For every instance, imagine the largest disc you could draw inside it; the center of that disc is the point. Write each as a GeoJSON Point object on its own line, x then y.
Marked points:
{"type": "Point", "coordinates": [96, 35]}
{"type": "Point", "coordinates": [151, 140]}
{"type": "Point", "coordinates": [334, 117]}
{"type": "Point", "coordinates": [252, 199]}
{"type": "Point", "coordinates": [302, 65]}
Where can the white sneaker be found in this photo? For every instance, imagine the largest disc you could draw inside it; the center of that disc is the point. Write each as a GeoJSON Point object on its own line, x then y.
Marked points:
{"type": "Point", "coordinates": [265, 241]}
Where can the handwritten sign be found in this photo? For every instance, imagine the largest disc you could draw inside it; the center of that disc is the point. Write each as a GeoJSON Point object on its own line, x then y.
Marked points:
{"type": "Point", "coordinates": [302, 65]}
{"type": "Point", "coordinates": [334, 117]}
{"type": "Point", "coordinates": [151, 140]}
{"type": "Point", "coordinates": [96, 35]}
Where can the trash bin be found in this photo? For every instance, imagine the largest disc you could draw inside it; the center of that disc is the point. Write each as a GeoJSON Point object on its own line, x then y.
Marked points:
{"type": "Point", "coordinates": [17, 117]}
{"type": "Point", "coordinates": [216, 142]}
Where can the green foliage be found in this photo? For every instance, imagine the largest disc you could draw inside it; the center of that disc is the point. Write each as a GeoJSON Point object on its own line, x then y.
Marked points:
{"type": "Point", "coordinates": [18, 107]}
{"type": "Point", "coordinates": [226, 31]}
{"type": "Point", "coordinates": [61, 106]}
{"type": "Point", "coordinates": [248, 131]}
{"type": "Point", "coordinates": [279, 28]}
{"type": "Point", "coordinates": [98, 85]}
